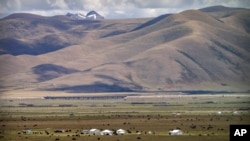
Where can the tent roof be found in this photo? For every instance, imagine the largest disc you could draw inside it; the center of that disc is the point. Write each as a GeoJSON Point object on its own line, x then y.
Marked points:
{"type": "Point", "coordinates": [106, 130]}
{"type": "Point", "coordinates": [91, 130]}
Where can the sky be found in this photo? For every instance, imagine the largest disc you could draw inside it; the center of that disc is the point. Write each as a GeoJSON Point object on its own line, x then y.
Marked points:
{"type": "Point", "coordinates": [111, 9]}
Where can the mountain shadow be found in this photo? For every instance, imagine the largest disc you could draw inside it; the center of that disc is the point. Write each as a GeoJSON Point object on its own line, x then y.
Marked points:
{"type": "Point", "coordinates": [93, 88]}
{"type": "Point", "coordinates": [45, 45]}
{"type": "Point", "coordinates": [151, 22]}
{"type": "Point", "coordinates": [51, 71]}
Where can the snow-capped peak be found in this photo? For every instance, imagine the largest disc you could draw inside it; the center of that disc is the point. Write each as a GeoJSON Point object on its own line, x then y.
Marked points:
{"type": "Point", "coordinates": [77, 16]}
{"type": "Point", "coordinates": [92, 15]}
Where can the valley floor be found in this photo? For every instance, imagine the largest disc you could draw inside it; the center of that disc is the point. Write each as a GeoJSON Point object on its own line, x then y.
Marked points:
{"type": "Point", "coordinates": [200, 117]}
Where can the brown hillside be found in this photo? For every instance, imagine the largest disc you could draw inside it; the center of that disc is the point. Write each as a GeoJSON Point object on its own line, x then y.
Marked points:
{"type": "Point", "coordinates": [190, 50]}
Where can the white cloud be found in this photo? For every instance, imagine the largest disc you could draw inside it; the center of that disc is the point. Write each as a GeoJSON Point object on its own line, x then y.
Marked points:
{"type": "Point", "coordinates": [53, 12]}
{"type": "Point", "coordinates": [58, 4]}
{"type": "Point", "coordinates": [112, 8]}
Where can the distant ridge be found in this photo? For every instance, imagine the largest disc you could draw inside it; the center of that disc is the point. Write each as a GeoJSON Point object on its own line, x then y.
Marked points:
{"type": "Point", "coordinates": [219, 8]}
{"type": "Point", "coordinates": [151, 22]}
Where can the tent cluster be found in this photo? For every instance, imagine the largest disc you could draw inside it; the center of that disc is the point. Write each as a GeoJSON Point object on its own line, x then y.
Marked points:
{"type": "Point", "coordinates": [104, 132]}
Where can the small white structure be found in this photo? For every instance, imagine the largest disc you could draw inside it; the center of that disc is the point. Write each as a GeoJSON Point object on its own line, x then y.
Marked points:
{"type": "Point", "coordinates": [219, 113]}
{"type": "Point", "coordinates": [235, 112]}
{"type": "Point", "coordinates": [85, 132]}
{"type": "Point", "coordinates": [94, 131]}
{"type": "Point", "coordinates": [107, 132]}
{"type": "Point", "coordinates": [27, 131]}
{"type": "Point", "coordinates": [175, 132]}
{"type": "Point", "coordinates": [120, 132]}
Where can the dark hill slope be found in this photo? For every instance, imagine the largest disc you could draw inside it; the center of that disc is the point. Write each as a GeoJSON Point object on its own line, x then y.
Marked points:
{"type": "Point", "coordinates": [33, 34]}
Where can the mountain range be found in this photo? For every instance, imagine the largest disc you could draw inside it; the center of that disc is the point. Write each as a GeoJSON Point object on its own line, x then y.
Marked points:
{"type": "Point", "coordinates": [205, 49]}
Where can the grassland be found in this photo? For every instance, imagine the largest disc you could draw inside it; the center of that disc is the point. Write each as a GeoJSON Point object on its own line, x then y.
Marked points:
{"type": "Point", "coordinates": [200, 117]}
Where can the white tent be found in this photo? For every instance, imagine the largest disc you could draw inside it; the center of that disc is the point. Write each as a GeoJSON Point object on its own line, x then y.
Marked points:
{"type": "Point", "coordinates": [175, 132]}
{"type": "Point", "coordinates": [120, 132]}
{"type": "Point", "coordinates": [107, 132]}
{"type": "Point", "coordinates": [94, 132]}
{"type": "Point", "coordinates": [27, 131]}
{"type": "Point", "coordinates": [235, 112]}
{"type": "Point", "coordinates": [219, 113]}
{"type": "Point", "coordinates": [85, 132]}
